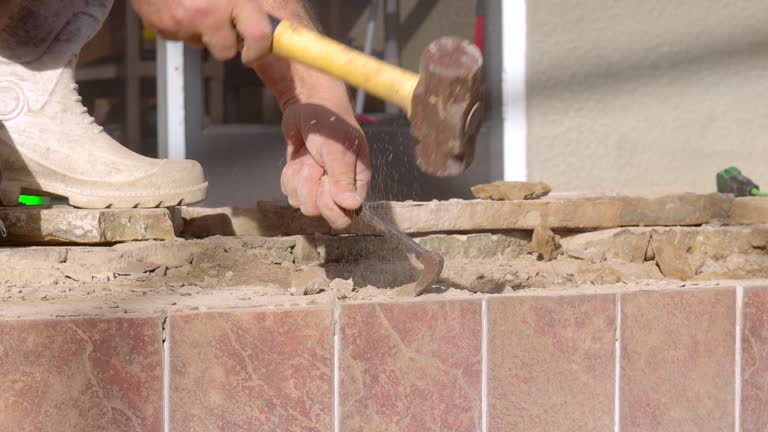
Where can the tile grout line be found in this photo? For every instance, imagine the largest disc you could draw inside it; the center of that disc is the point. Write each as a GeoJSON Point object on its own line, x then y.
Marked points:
{"type": "Point", "coordinates": [737, 359]}
{"type": "Point", "coordinates": [484, 365]}
{"type": "Point", "coordinates": [166, 377]}
{"type": "Point", "coordinates": [336, 356]}
{"type": "Point", "coordinates": [617, 368]}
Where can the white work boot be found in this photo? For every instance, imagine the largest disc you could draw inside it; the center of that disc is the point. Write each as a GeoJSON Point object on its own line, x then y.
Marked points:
{"type": "Point", "coordinates": [48, 142]}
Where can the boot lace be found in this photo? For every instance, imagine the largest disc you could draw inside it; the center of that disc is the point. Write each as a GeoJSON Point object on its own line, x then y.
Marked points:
{"type": "Point", "coordinates": [83, 110]}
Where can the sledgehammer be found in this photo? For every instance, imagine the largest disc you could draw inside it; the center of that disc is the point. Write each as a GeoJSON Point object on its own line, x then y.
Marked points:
{"type": "Point", "coordinates": [444, 102]}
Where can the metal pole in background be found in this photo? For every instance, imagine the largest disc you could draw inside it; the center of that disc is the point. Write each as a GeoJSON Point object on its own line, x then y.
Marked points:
{"type": "Point", "coordinates": [370, 31]}
{"type": "Point", "coordinates": [132, 69]}
{"type": "Point", "coordinates": [392, 40]}
{"type": "Point", "coordinates": [513, 81]}
{"type": "Point", "coordinates": [171, 121]}
{"type": "Point", "coordinates": [179, 101]}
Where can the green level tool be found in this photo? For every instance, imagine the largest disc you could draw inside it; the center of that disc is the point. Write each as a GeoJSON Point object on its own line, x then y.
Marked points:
{"type": "Point", "coordinates": [34, 200]}
{"type": "Point", "coordinates": [31, 201]}
{"type": "Point", "coordinates": [732, 181]}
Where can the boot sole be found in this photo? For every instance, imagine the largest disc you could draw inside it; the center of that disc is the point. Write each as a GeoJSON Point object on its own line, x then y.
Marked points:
{"type": "Point", "coordinates": [9, 196]}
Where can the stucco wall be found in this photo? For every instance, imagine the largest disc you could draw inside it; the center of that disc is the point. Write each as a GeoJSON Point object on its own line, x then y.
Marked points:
{"type": "Point", "coordinates": [651, 96]}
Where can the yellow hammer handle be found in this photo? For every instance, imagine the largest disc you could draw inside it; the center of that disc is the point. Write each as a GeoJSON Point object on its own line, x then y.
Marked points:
{"type": "Point", "coordinates": [376, 77]}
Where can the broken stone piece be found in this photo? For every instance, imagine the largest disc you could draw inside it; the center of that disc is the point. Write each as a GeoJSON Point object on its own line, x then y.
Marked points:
{"type": "Point", "coordinates": [671, 257]}
{"type": "Point", "coordinates": [511, 191]}
{"type": "Point", "coordinates": [62, 224]}
{"type": "Point", "coordinates": [305, 252]}
{"type": "Point", "coordinates": [406, 291]}
{"type": "Point", "coordinates": [342, 288]}
{"type": "Point", "coordinates": [545, 243]}
{"type": "Point", "coordinates": [623, 244]}
{"type": "Point", "coordinates": [310, 280]}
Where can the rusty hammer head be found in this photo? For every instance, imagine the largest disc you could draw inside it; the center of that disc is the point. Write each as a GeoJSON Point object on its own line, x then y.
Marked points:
{"type": "Point", "coordinates": [447, 106]}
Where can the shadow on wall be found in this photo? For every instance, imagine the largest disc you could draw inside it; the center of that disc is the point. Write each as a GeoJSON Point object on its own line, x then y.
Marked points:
{"type": "Point", "coordinates": [739, 47]}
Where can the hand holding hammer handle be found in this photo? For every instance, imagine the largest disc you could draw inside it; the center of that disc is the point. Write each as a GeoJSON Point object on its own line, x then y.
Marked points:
{"type": "Point", "coordinates": [379, 78]}
{"type": "Point", "coordinates": [443, 101]}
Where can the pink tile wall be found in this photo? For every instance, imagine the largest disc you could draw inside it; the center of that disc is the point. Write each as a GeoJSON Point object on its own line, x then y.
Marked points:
{"type": "Point", "coordinates": [754, 361]}
{"type": "Point", "coordinates": [410, 367]}
{"type": "Point", "coordinates": [260, 370]}
{"type": "Point", "coordinates": [510, 363]}
{"type": "Point", "coordinates": [98, 374]}
{"type": "Point", "coordinates": [551, 363]}
{"type": "Point", "coordinates": [677, 360]}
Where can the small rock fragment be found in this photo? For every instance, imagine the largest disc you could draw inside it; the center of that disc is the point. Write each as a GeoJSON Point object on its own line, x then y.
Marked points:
{"type": "Point", "coordinates": [407, 290]}
{"type": "Point", "coordinates": [545, 243]}
{"type": "Point", "coordinates": [671, 258]}
{"type": "Point", "coordinates": [341, 288]}
{"type": "Point", "coordinates": [310, 280]}
{"type": "Point", "coordinates": [623, 244]}
{"type": "Point", "coordinates": [305, 252]}
{"type": "Point", "coordinates": [511, 191]}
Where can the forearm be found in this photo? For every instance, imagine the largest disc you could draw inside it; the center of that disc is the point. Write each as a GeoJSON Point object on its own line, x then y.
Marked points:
{"type": "Point", "coordinates": [290, 81]}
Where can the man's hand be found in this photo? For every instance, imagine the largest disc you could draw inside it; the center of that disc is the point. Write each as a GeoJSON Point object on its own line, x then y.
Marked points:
{"type": "Point", "coordinates": [214, 24]}
{"type": "Point", "coordinates": [327, 168]}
